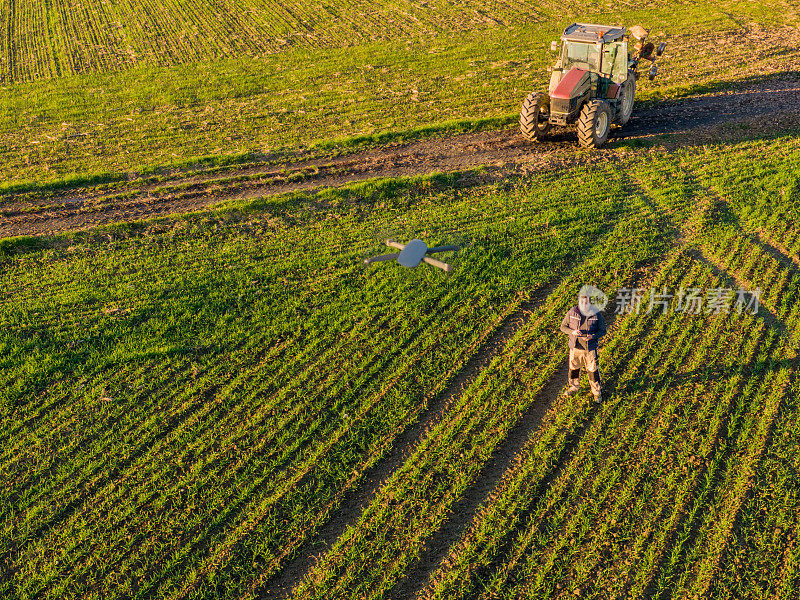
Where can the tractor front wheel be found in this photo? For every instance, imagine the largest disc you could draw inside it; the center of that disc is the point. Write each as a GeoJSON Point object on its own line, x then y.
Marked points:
{"type": "Point", "coordinates": [534, 118]}
{"type": "Point", "coordinates": [594, 124]}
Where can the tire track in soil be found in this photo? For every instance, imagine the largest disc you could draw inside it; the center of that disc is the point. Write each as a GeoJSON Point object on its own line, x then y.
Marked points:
{"type": "Point", "coordinates": [71, 210]}
{"type": "Point", "coordinates": [463, 513]}
{"type": "Point", "coordinates": [357, 501]}
{"type": "Point", "coordinates": [505, 153]}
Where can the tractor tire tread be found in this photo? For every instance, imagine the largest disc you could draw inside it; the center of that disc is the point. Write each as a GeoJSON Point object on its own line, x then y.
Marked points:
{"type": "Point", "coordinates": [622, 119]}
{"type": "Point", "coordinates": [528, 116]}
{"type": "Point", "coordinates": [586, 124]}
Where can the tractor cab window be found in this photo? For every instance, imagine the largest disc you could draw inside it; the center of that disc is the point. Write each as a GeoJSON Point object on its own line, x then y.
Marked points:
{"type": "Point", "coordinates": [582, 56]}
{"type": "Point", "coordinates": [615, 61]}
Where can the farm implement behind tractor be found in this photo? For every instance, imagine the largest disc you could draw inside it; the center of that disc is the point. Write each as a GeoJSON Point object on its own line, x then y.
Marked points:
{"type": "Point", "coordinates": [593, 83]}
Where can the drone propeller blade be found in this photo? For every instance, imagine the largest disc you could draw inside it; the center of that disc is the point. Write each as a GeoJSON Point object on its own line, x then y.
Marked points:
{"type": "Point", "coordinates": [397, 245]}
{"type": "Point", "coordinates": [443, 249]}
{"type": "Point", "coordinates": [437, 263]}
{"type": "Point", "coordinates": [382, 257]}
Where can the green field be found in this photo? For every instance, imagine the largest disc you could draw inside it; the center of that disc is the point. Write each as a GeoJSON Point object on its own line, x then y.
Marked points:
{"type": "Point", "coordinates": [186, 401]}
{"type": "Point", "coordinates": [224, 90]}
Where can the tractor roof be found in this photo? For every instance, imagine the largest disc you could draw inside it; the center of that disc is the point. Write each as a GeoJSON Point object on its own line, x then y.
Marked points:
{"type": "Point", "coordinates": [585, 32]}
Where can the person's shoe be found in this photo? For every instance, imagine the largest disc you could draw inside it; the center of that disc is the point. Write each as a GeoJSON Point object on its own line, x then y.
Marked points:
{"type": "Point", "coordinates": [570, 392]}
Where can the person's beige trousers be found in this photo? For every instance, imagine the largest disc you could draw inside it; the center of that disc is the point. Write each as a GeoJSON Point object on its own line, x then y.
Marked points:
{"type": "Point", "coordinates": [587, 359]}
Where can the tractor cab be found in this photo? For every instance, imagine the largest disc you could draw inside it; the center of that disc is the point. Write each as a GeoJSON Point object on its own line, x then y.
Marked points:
{"type": "Point", "coordinates": [593, 64]}
{"type": "Point", "coordinates": [594, 48]}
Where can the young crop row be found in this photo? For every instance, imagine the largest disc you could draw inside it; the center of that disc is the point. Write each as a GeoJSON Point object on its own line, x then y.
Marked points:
{"type": "Point", "coordinates": [378, 551]}
{"type": "Point", "coordinates": [44, 40]}
{"type": "Point", "coordinates": [536, 554]}
{"type": "Point", "coordinates": [164, 453]}
{"type": "Point", "coordinates": [761, 552]}
{"type": "Point", "coordinates": [235, 576]}
{"type": "Point", "coordinates": [183, 408]}
{"type": "Point", "coordinates": [656, 486]}
{"type": "Point", "coordinates": [337, 84]}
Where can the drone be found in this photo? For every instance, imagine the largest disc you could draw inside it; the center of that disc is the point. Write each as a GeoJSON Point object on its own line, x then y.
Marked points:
{"type": "Point", "coordinates": [413, 253]}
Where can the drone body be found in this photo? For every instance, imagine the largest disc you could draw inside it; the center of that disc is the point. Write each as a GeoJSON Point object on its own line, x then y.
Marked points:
{"type": "Point", "coordinates": [413, 253]}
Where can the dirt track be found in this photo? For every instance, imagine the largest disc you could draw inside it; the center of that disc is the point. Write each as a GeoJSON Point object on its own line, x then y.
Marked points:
{"type": "Point", "coordinates": [758, 107]}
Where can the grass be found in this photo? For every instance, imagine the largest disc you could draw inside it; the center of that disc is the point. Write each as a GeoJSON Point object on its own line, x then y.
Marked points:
{"type": "Point", "coordinates": [187, 400]}
{"type": "Point", "coordinates": [651, 495]}
{"type": "Point", "coordinates": [156, 113]}
{"type": "Point", "coordinates": [119, 339]}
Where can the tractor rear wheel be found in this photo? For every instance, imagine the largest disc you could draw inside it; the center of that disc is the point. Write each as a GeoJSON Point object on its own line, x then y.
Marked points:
{"type": "Point", "coordinates": [627, 94]}
{"type": "Point", "coordinates": [594, 124]}
{"type": "Point", "coordinates": [534, 117]}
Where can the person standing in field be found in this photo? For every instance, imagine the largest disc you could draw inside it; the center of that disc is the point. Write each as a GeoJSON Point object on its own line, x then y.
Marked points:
{"type": "Point", "coordinates": [584, 324]}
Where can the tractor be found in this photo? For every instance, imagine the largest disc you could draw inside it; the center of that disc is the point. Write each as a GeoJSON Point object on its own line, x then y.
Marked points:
{"type": "Point", "coordinates": [593, 83]}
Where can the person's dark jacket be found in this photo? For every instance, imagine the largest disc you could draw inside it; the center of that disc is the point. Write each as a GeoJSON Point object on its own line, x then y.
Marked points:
{"type": "Point", "coordinates": [594, 325]}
